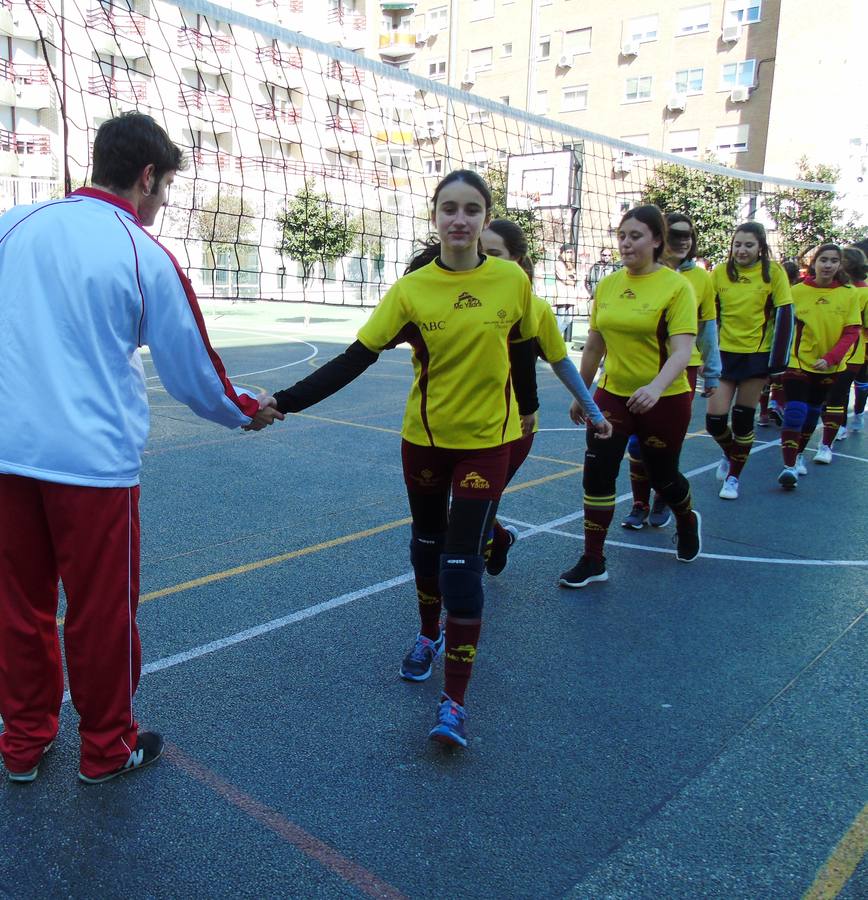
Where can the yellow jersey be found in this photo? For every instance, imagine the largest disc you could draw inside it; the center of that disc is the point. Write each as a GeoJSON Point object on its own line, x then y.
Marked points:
{"type": "Point", "coordinates": [459, 325]}
{"type": "Point", "coordinates": [551, 341]}
{"type": "Point", "coordinates": [746, 307]}
{"type": "Point", "coordinates": [821, 315]}
{"type": "Point", "coordinates": [636, 315]}
{"type": "Point", "coordinates": [706, 309]}
{"type": "Point", "coordinates": [856, 355]}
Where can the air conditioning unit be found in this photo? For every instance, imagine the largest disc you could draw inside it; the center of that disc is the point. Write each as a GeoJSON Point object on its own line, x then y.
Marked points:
{"type": "Point", "coordinates": [565, 62]}
{"type": "Point", "coordinates": [621, 165]}
{"type": "Point", "coordinates": [730, 34]}
{"type": "Point", "coordinates": [424, 36]}
{"type": "Point", "coordinates": [677, 103]}
{"type": "Point", "coordinates": [630, 48]}
{"type": "Point", "coordinates": [469, 77]}
{"type": "Point", "coordinates": [740, 94]}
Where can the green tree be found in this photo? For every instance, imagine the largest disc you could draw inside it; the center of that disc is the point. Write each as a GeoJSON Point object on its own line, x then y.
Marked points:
{"type": "Point", "coordinates": [315, 230]}
{"type": "Point", "coordinates": [806, 217]}
{"type": "Point", "coordinates": [221, 223]}
{"type": "Point", "coordinates": [712, 201]}
{"type": "Point", "coordinates": [527, 219]}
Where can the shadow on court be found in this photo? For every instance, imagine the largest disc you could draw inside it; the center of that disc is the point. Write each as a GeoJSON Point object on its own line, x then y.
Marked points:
{"type": "Point", "coordinates": [679, 731]}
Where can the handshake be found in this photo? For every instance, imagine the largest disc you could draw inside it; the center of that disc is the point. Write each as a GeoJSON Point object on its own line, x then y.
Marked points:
{"type": "Point", "coordinates": [268, 414]}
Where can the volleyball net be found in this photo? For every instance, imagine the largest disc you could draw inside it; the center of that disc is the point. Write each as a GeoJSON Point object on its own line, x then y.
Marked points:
{"type": "Point", "coordinates": [310, 166]}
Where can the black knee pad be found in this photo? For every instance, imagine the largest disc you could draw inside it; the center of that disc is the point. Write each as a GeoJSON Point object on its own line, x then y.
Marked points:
{"type": "Point", "coordinates": [716, 425]}
{"type": "Point", "coordinates": [461, 584]}
{"type": "Point", "coordinates": [425, 550]}
{"type": "Point", "coordinates": [742, 419]}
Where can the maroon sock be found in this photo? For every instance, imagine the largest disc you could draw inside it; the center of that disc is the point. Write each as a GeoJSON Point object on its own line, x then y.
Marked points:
{"type": "Point", "coordinates": [430, 603]}
{"type": "Point", "coordinates": [804, 437]}
{"type": "Point", "coordinates": [764, 401]}
{"type": "Point", "coordinates": [790, 445]}
{"type": "Point", "coordinates": [833, 418]}
{"type": "Point", "coordinates": [599, 512]}
{"type": "Point", "coordinates": [683, 510]}
{"type": "Point", "coordinates": [738, 455]}
{"type": "Point", "coordinates": [639, 482]}
{"type": "Point", "coordinates": [462, 639]}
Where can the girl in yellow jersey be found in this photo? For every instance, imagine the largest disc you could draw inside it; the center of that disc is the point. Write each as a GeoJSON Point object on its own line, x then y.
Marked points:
{"type": "Point", "coordinates": [681, 256]}
{"type": "Point", "coordinates": [828, 324]}
{"type": "Point", "coordinates": [458, 311]}
{"type": "Point", "coordinates": [505, 239]}
{"type": "Point", "coordinates": [756, 326]}
{"type": "Point", "coordinates": [835, 412]}
{"type": "Point", "coordinates": [644, 323]}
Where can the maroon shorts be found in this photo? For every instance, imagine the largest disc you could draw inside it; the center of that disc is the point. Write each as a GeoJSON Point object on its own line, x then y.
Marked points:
{"type": "Point", "coordinates": [663, 427]}
{"type": "Point", "coordinates": [472, 474]}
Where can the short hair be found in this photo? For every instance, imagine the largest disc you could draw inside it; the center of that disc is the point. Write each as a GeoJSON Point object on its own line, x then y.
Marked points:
{"type": "Point", "coordinates": [126, 144]}
{"type": "Point", "coordinates": [649, 215]}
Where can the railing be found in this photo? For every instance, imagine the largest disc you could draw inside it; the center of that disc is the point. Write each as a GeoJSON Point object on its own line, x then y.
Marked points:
{"type": "Point", "coordinates": [293, 6]}
{"type": "Point", "coordinates": [212, 158]}
{"type": "Point", "coordinates": [278, 57]}
{"type": "Point", "coordinates": [24, 144]}
{"type": "Point", "coordinates": [351, 124]}
{"type": "Point", "coordinates": [6, 70]}
{"type": "Point", "coordinates": [347, 73]}
{"type": "Point", "coordinates": [196, 40]}
{"type": "Point", "coordinates": [195, 100]}
{"type": "Point", "coordinates": [29, 73]}
{"type": "Point", "coordinates": [276, 113]}
{"type": "Point", "coordinates": [118, 88]}
{"type": "Point", "coordinates": [120, 20]}
{"type": "Point", "coordinates": [363, 175]}
{"type": "Point", "coordinates": [352, 19]}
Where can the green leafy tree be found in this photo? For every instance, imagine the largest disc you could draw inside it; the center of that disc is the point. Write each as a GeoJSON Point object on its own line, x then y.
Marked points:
{"type": "Point", "coordinates": [712, 201]}
{"type": "Point", "coordinates": [222, 223]}
{"type": "Point", "coordinates": [806, 217]}
{"type": "Point", "coordinates": [315, 230]}
{"type": "Point", "coordinates": [528, 220]}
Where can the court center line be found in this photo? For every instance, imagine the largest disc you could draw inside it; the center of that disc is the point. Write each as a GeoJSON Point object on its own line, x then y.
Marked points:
{"type": "Point", "coordinates": [842, 862]}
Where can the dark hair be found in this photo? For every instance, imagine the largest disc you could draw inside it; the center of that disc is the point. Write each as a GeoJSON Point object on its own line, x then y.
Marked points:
{"type": "Point", "coordinates": [841, 275]}
{"type": "Point", "coordinates": [855, 263]}
{"type": "Point", "coordinates": [862, 245]}
{"type": "Point", "coordinates": [431, 248]}
{"type": "Point", "coordinates": [759, 233]}
{"type": "Point", "coordinates": [651, 216]}
{"type": "Point", "coordinates": [515, 243]}
{"type": "Point", "coordinates": [674, 218]}
{"type": "Point", "coordinates": [126, 144]}
{"type": "Point", "coordinates": [791, 267]}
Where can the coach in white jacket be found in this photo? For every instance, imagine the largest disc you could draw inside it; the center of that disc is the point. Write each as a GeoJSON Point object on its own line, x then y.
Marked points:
{"type": "Point", "coordinates": [82, 288]}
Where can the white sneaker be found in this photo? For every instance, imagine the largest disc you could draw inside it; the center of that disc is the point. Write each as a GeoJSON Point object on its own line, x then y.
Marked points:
{"type": "Point", "coordinates": [801, 468]}
{"type": "Point", "coordinates": [729, 491]}
{"type": "Point", "coordinates": [857, 423]}
{"type": "Point", "coordinates": [789, 478]}
{"type": "Point", "coordinates": [841, 435]}
{"type": "Point", "coordinates": [824, 455]}
{"type": "Point", "coordinates": [722, 469]}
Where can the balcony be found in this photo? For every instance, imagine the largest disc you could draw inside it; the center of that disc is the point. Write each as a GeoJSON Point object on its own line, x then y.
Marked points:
{"type": "Point", "coordinates": [396, 44]}
{"type": "Point", "coordinates": [347, 18]}
{"type": "Point", "coordinates": [126, 89]}
{"type": "Point", "coordinates": [345, 81]}
{"type": "Point", "coordinates": [117, 31]}
{"type": "Point", "coordinates": [212, 159]}
{"type": "Point", "coordinates": [207, 50]}
{"type": "Point", "coordinates": [274, 56]}
{"type": "Point", "coordinates": [350, 124]}
{"type": "Point", "coordinates": [294, 7]}
{"type": "Point", "coordinates": [270, 113]}
{"type": "Point", "coordinates": [28, 155]}
{"type": "Point", "coordinates": [195, 100]}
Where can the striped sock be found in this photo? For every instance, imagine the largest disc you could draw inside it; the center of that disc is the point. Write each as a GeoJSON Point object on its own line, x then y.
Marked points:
{"type": "Point", "coordinates": [599, 512]}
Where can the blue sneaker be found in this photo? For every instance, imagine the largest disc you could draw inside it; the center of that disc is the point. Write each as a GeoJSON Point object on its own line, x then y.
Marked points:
{"type": "Point", "coordinates": [450, 724]}
{"type": "Point", "coordinates": [418, 662]}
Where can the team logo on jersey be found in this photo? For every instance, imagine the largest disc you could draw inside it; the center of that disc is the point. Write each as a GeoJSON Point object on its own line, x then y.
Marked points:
{"type": "Point", "coordinates": [475, 481]}
{"type": "Point", "coordinates": [655, 442]}
{"type": "Point", "coordinates": [500, 321]}
{"type": "Point", "coordinates": [822, 300]}
{"type": "Point", "coordinates": [501, 314]}
{"type": "Point", "coordinates": [628, 294]}
{"type": "Point", "coordinates": [743, 279]}
{"type": "Point", "coordinates": [425, 477]}
{"type": "Point", "coordinates": [466, 301]}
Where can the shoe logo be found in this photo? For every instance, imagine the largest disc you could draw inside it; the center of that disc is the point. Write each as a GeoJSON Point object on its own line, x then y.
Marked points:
{"type": "Point", "coordinates": [628, 294]}
{"type": "Point", "coordinates": [464, 653]}
{"type": "Point", "coordinates": [135, 759]}
{"type": "Point", "coordinates": [475, 481]}
{"type": "Point", "coordinates": [467, 301]}
{"type": "Point", "coordinates": [655, 442]}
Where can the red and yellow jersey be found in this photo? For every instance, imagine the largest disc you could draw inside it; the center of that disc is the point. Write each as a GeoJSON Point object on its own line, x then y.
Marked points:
{"type": "Point", "coordinates": [821, 316]}
{"type": "Point", "coordinates": [636, 315]}
{"type": "Point", "coordinates": [746, 307]}
{"type": "Point", "coordinates": [856, 355]}
{"type": "Point", "coordinates": [551, 341]}
{"type": "Point", "coordinates": [703, 289]}
{"type": "Point", "coordinates": [459, 325]}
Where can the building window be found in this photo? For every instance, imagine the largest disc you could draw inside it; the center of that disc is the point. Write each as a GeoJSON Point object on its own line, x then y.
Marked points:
{"type": "Point", "coordinates": [638, 89]}
{"type": "Point", "coordinates": [689, 81]}
{"type": "Point", "coordinates": [740, 74]}
{"type": "Point", "coordinates": [684, 143]}
{"type": "Point", "coordinates": [641, 29]}
{"type": "Point", "coordinates": [742, 12]}
{"type": "Point", "coordinates": [479, 116]}
{"type": "Point", "coordinates": [437, 68]}
{"type": "Point", "coordinates": [505, 100]}
{"type": "Point", "coordinates": [481, 59]}
{"type": "Point", "coordinates": [641, 139]}
{"type": "Point", "coordinates": [574, 98]}
{"type": "Point", "coordinates": [578, 41]}
{"type": "Point", "coordinates": [693, 19]}
{"type": "Point", "coordinates": [541, 107]}
{"type": "Point", "coordinates": [438, 19]}
{"type": "Point", "coordinates": [544, 48]}
{"type": "Point", "coordinates": [481, 9]}
{"type": "Point", "coordinates": [477, 163]}
{"type": "Point", "coordinates": [433, 166]}
{"type": "Point", "coordinates": [731, 138]}
{"type": "Point", "coordinates": [506, 49]}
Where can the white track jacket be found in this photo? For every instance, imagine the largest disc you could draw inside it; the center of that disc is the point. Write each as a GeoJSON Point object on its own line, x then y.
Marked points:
{"type": "Point", "coordinates": [82, 288]}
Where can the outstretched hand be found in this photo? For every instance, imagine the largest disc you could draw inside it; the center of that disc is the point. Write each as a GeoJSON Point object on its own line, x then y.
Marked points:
{"type": "Point", "coordinates": [602, 429]}
{"type": "Point", "coordinates": [577, 413]}
{"type": "Point", "coordinates": [528, 423]}
{"type": "Point", "coordinates": [268, 414]}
